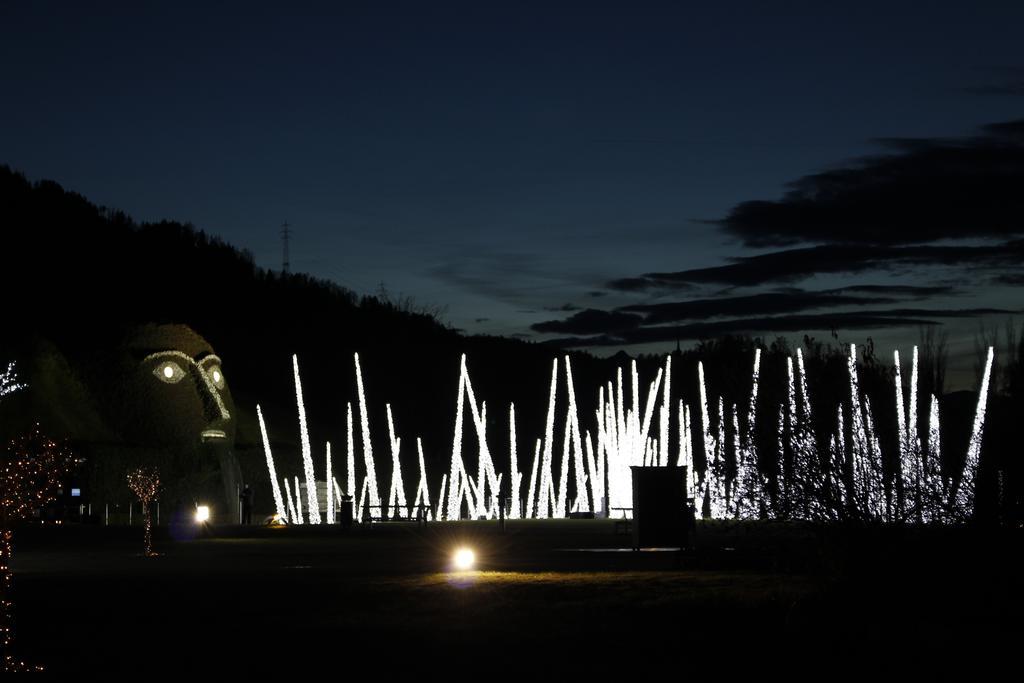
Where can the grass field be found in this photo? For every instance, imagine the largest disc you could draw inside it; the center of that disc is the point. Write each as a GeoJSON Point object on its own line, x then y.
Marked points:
{"type": "Point", "coordinates": [559, 594]}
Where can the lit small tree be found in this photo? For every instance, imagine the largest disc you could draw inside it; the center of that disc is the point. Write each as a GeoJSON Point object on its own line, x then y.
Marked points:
{"type": "Point", "coordinates": [145, 483]}
{"type": "Point", "coordinates": [31, 471]}
{"type": "Point", "coordinates": [9, 380]}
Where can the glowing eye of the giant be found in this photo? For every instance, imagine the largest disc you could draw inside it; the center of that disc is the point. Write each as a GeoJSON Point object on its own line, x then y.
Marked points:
{"type": "Point", "coordinates": [169, 372]}
{"type": "Point", "coordinates": [217, 376]}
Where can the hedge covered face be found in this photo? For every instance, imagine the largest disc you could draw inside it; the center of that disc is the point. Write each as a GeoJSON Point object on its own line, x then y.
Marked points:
{"type": "Point", "coordinates": [177, 391]}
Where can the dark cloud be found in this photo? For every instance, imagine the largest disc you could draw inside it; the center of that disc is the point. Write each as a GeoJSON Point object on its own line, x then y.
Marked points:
{"type": "Point", "coordinates": [590, 321]}
{"type": "Point", "coordinates": [776, 324]}
{"type": "Point", "coordinates": [1015, 279]}
{"type": "Point", "coordinates": [921, 191]}
{"type": "Point", "coordinates": [567, 308]}
{"type": "Point", "coordinates": [792, 265]}
{"type": "Point", "coordinates": [901, 291]}
{"type": "Point", "coordinates": [757, 304]}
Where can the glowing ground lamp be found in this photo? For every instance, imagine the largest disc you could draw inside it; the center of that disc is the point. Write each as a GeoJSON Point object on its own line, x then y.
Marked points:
{"type": "Point", "coordinates": [463, 560]}
{"type": "Point", "coordinates": [202, 514]}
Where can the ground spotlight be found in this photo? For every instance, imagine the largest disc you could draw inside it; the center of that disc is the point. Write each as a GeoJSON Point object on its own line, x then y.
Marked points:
{"type": "Point", "coordinates": [464, 559]}
{"type": "Point", "coordinates": [202, 514]}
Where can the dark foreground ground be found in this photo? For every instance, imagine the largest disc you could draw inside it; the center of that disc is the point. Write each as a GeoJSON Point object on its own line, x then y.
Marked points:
{"type": "Point", "coordinates": [550, 600]}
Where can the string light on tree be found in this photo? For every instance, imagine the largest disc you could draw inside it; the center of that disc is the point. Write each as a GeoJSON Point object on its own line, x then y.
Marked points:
{"type": "Point", "coordinates": [145, 484]}
{"type": "Point", "coordinates": [31, 471]}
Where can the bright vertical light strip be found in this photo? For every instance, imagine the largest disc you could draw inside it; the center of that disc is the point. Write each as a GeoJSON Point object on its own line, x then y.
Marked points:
{"type": "Point", "coordinates": [810, 441]}
{"type": "Point", "coordinates": [563, 479]}
{"type": "Point", "coordinates": [546, 484]}
{"type": "Point", "coordinates": [350, 462]}
{"type": "Point", "coordinates": [298, 501]}
{"type": "Point", "coordinates": [330, 494]}
{"type": "Point", "coordinates": [666, 404]}
{"type": "Point", "coordinates": [515, 476]}
{"type": "Point", "coordinates": [913, 439]}
{"type": "Point", "coordinates": [913, 434]}
{"type": "Point", "coordinates": [859, 443]}
{"type": "Point", "coordinates": [396, 496]}
{"type": "Point", "coordinates": [362, 500]}
{"type": "Point", "coordinates": [933, 468]}
{"type": "Point", "coordinates": [451, 511]}
{"type": "Point", "coordinates": [486, 475]}
{"type": "Point", "coordinates": [652, 398]}
{"type": "Point", "coordinates": [423, 490]}
{"type": "Point", "coordinates": [370, 482]}
{"type": "Point", "coordinates": [530, 512]}
{"type": "Point", "coordinates": [718, 506]}
{"type": "Point", "coordinates": [584, 501]}
{"type": "Point", "coordinates": [876, 485]}
{"type": "Point", "coordinates": [838, 469]}
{"type": "Point", "coordinates": [965, 492]}
{"type": "Point", "coordinates": [906, 468]}
{"type": "Point", "coordinates": [781, 485]}
{"type": "Point", "coordinates": [278, 502]}
{"type": "Point", "coordinates": [736, 494]}
{"type": "Point", "coordinates": [594, 477]}
{"type": "Point", "coordinates": [752, 410]}
{"type": "Point", "coordinates": [293, 515]}
{"type": "Point", "coordinates": [795, 477]}
{"type": "Point", "coordinates": [439, 515]}
{"type": "Point", "coordinates": [709, 446]}
{"type": "Point", "coordinates": [307, 451]}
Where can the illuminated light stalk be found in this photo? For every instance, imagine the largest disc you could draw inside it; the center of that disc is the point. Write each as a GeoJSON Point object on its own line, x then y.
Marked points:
{"type": "Point", "coordinates": [486, 474]}
{"type": "Point", "coordinates": [859, 442]}
{"type": "Point", "coordinates": [781, 485]}
{"type": "Point", "coordinates": [307, 452]}
{"type": "Point", "coordinates": [906, 468]}
{"type": "Point", "coordinates": [563, 479]}
{"type": "Point", "coordinates": [422, 490]}
{"type": "Point", "coordinates": [370, 480]}
{"type": "Point", "coordinates": [298, 501]}
{"type": "Point", "coordinates": [396, 496]}
{"type": "Point", "coordinates": [439, 515]}
{"type": "Point", "coordinates": [544, 494]}
{"type": "Point", "coordinates": [596, 491]}
{"type": "Point", "coordinates": [652, 398]}
{"type": "Point", "coordinates": [634, 426]}
{"type": "Point", "coordinates": [964, 492]}
{"type": "Point", "coordinates": [719, 505]}
{"type": "Point", "coordinates": [452, 508]}
{"type": "Point", "coordinates": [293, 514]}
{"type": "Point", "coordinates": [515, 476]}
{"type": "Point", "coordinates": [330, 493]}
{"type": "Point", "coordinates": [933, 510]}
{"type": "Point", "coordinates": [795, 473]}
{"type": "Point", "coordinates": [913, 437]}
{"type": "Point", "coordinates": [362, 499]}
{"type": "Point", "coordinates": [748, 482]}
{"type": "Point", "coordinates": [838, 468]}
{"type": "Point", "coordinates": [530, 512]}
{"type": "Point", "coordinates": [664, 413]}
{"type": "Point", "coordinates": [709, 444]}
{"type": "Point", "coordinates": [275, 487]}
{"type": "Point", "coordinates": [583, 501]}
{"type": "Point", "coordinates": [735, 495]}
{"type": "Point", "coordinates": [350, 462]}
{"type": "Point", "coordinates": [876, 487]}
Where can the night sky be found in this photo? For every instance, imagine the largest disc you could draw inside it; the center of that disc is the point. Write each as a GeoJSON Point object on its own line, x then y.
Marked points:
{"type": "Point", "coordinates": [617, 175]}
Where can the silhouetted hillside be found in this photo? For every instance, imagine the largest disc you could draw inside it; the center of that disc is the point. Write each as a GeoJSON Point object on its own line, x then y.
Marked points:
{"type": "Point", "coordinates": [75, 276]}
